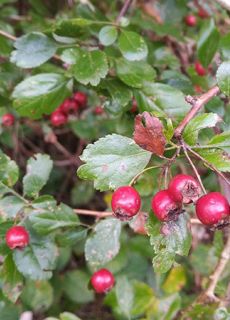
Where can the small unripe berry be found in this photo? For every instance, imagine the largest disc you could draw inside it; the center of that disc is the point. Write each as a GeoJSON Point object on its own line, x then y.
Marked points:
{"type": "Point", "coordinates": [8, 120]}
{"type": "Point", "coordinates": [190, 20]}
{"type": "Point", "coordinates": [69, 106]}
{"type": "Point", "coordinates": [184, 188]}
{"type": "Point", "coordinates": [17, 237]}
{"type": "Point", "coordinates": [126, 202]}
{"type": "Point", "coordinates": [80, 98]}
{"type": "Point", "coordinates": [98, 110]}
{"type": "Point", "coordinates": [200, 70]}
{"type": "Point", "coordinates": [58, 118]}
{"type": "Point", "coordinates": [164, 206]}
{"type": "Point", "coordinates": [102, 281]}
{"type": "Point", "coordinates": [212, 208]}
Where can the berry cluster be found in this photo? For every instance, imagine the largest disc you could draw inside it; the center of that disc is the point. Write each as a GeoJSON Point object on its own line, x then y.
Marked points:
{"type": "Point", "coordinates": [69, 106]}
{"type": "Point", "coordinates": [211, 209]}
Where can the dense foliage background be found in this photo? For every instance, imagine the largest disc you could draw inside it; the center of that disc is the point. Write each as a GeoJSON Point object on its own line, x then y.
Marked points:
{"type": "Point", "coordinates": [128, 58]}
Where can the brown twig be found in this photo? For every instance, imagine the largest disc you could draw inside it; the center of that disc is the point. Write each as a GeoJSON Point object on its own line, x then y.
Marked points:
{"type": "Point", "coordinates": [98, 214]}
{"type": "Point", "coordinates": [124, 9]}
{"type": "Point", "coordinates": [7, 35]}
{"type": "Point", "coordinates": [197, 104]}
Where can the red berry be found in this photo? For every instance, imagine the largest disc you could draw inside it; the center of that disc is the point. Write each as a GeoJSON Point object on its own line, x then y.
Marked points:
{"type": "Point", "coordinates": [134, 106]}
{"type": "Point", "coordinates": [80, 98]}
{"type": "Point", "coordinates": [198, 89]}
{"type": "Point", "coordinates": [200, 70]}
{"type": "Point", "coordinates": [126, 202]}
{"type": "Point", "coordinates": [58, 118]}
{"type": "Point", "coordinates": [68, 106]}
{"type": "Point", "coordinates": [164, 206]}
{"type": "Point", "coordinates": [102, 281]}
{"type": "Point", "coordinates": [8, 120]}
{"type": "Point", "coordinates": [17, 237]}
{"type": "Point", "coordinates": [212, 208]}
{"type": "Point", "coordinates": [202, 13]}
{"type": "Point", "coordinates": [184, 188]}
{"type": "Point", "coordinates": [190, 20]}
{"type": "Point", "coordinates": [98, 110]}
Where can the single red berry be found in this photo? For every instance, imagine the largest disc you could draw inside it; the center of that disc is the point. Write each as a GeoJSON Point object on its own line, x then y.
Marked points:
{"type": "Point", "coordinates": [184, 188]}
{"type": "Point", "coordinates": [80, 98]}
{"type": "Point", "coordinates": [134, 106]}
{"type": "Point", "coordinates": [212, 208]}
{"type": "Point", "coordinates": [98, 110]}
{"type": "Point", "coordinates": [58, 118]}
{"type": "Point", "coordinates": [17, 237]}
{"type": "Point", "coordinates": [68, 106]}
{"type": "Point", "coordinates": [8, 120]}
{"type": "Point", "coordinates": [202, 13]}
{"type": "Point", "coordinates": [126, 202]}
{"type": "Point", "coordinates": [190, 20]}
{"type": "Point", "coordinates": [164, 206]}
{"type": "Point", "coordinates": [102, 281]}
{"type": "Point", "coordinates": [200, 70]}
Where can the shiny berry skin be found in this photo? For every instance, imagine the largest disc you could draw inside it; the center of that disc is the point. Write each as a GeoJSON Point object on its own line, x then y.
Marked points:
{"type": "Point", "coordinates": [184, 188]}
{"type": "Point", "coordinates": [98, 110]}
{"type": "Point", "coordinates": [69, 106]}
{"type": "Point", "coordinates": [80, 98]}
{"type": "Point", "coordinates": [190, 20]}
{"type": "Point", "coordinates": [126, 202]}
{"type": "Point", "coordinates": [17, 237]}
{"type": "Point", "coordinates": [58, 118]}
{"type": "Point", "coordinates": [164, 206]}
{"type": "Point", "coordinates": [200, 70]}
{"type": "Point", "coordinates": [8, 120]}
{"type": "Point", "coordinates": [212, 208]}
{"type": "Point", "coordinates": [102, 281]}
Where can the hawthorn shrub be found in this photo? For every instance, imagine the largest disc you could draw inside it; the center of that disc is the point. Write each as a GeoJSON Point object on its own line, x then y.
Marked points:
{"type": "Point", "coordinates": [134, 96]}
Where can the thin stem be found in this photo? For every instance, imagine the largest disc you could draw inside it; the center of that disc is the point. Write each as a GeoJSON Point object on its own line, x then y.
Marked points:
{"type": "Point", "coordinates": [7, 35]}
{"type": "Point", "coordinates": [124, 9]}
{"type": "Point", "coordinates": [14, 193]}
{"type": "Point", "coordinates": [140, 173]}
{"type": "Point", "coordinates": [99, 214]}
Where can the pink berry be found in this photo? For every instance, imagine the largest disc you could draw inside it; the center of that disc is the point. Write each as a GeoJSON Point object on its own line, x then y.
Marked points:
{"type": "Point", "coordinates": [69, 106]}
{"type": "Point", "coordinates": [80, 98]}
{"type": "Point", "coordinates": [126, 202]}
{"type": "Point", "coordinates": [102, 281]}
{"type": "Point", "coordinates": [98, 110]}
{"type": "Point", "coordinates": [8, 120]}
{"type": "Point", "coordinates": [58, 118]}
{"type": "Point", "coordinates": [17, 237]}
{"type": "Point", "coordinates": [200, 70]}
{"type": "Point", "coordinates": [190, 20]}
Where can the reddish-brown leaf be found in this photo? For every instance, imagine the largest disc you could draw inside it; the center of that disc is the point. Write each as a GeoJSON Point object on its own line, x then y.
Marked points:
{"type": "Point", "coordinates": [148, 133]}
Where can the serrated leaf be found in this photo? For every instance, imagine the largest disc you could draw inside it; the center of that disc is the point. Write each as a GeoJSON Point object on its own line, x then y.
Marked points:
{"type": "Point", "coordinates": [47, 220]}
{"type": "Point", "coordinates": [40, 94]}
{"type": "Point", "coordinates": [12, 280]}
{"type": "Point", "coordinates": [221, 141]}
{"type": "Point", "coordinates": [218, 158]}
{"type": "Point", "coordinates": [206, 120]}
{"type": "Point", "coordinates": [125, 295]}
{"type": "Point", "coordinates": [134, 74]}
{"type": "Point", "coordinates": [37, 260]}
{"type": "Point", "coordinates": [223, 77]}
{"type": "Point", "coordinates": [32, 50]}
{"type": "Point", "coordinates": [108, 35]}
{"type": "Point", "coordinates": [10, 206]}
{"type": "Point", "coordinates": [132, 46]}
{"type": "Point", "coordinates": [8, 170]}
{"type": "Point", "coordinates": [90, 66]}
{"type": "Point", "coordinates": [104, 244]}
{"type": "Point", "coordinates": [208, 42]}
{"type": "Point", "coordinates": [112, 161]}
{"type": "Point", "coordinates": [37, 174]}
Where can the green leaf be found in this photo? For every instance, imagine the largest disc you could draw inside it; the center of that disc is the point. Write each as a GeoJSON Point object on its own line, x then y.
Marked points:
{"type": "Point", "coordinates": [75, 286]}
{"type": "Point", "coordinates": [218, 158]}
{"type": "Point", "coordinates": [112, 161]}
{"type": "Point", "coordinates": [225, 46]}
{"type": "Point", "coordinates": [47, 220]}
{"type": "Point", "coordinates": [143, 297]}
{"type": "Point", "coordinates": [37, 174]}
{"type": "Point", "coordinates": [108, 35]}
{"type": "Point", "coordinates": [134, 74]}
{"type": "Point", "coordinates": [132, 46]}
{"type": "Point", "coordinates": [68, 316]}
{"type": "Point", "coordinates": [223, 77]}
{"type": "Point", "coordinates": [37, 260]}
{"type": "Point", "coordinates": [176, 240]}
{"type": "Point", "coordinates": [221, 314]}
{"type": "Point", "coordinates": [104, 244]}
{"type": "Point", "coordinates": [206, 120]}
{"type": "Point", "coordinates": [208, 42]}
{"type": "Point", "coordinates": [8, 170]}
{"type": "Point", "coordinates": [8, 311]}
{"type": "Point", "coordinates": [90, 66]}
{"type": "Point", "coordinates": [72, 27]}
{"type": "Point", "coordinates": [10, 206]}
{"type": "Point", "coordinates": [71, 237]}
{"type": "Point", "coordinates": [12, 280]}
{"type": "Point", "coordinates": [40, 94]}
{"type": "Point", "coordinates": [32, 50]}
{"type": "Point", "coordinates": [221, 141]}
{"type": "Point", "coordinates": [125, 295]}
